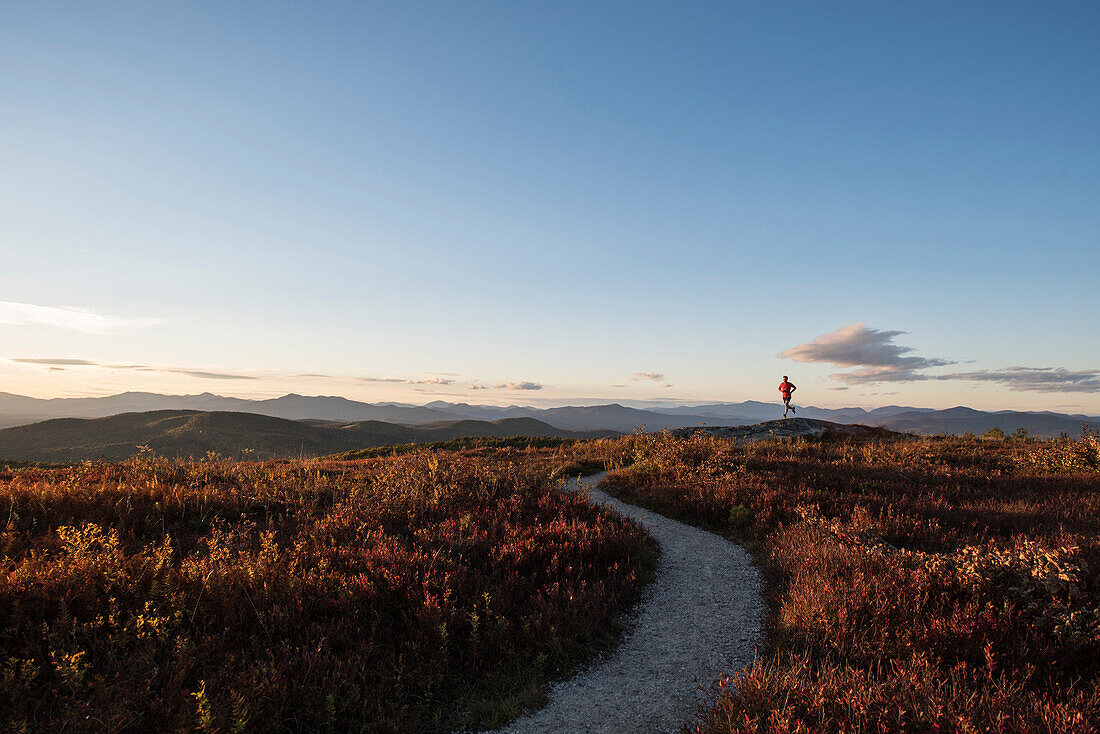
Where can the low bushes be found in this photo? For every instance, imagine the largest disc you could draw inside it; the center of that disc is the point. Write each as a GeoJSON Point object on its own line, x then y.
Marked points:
{"type": "Point", "coordinates": [939, 584]}
{"type": "Point", "coordinates": [419, 592]}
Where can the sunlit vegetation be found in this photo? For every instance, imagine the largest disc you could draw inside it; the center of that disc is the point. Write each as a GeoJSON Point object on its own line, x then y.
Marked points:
{"type": "Point", "coordinates": [415, 593]}
{"type": "Point", "coordinates": [916, 584]}
{"type": "Point", "coordinates": [456, 444]}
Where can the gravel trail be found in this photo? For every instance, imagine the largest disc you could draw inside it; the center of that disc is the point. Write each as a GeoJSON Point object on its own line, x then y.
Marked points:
{"type": "Point", "coordinates": [701, 616]}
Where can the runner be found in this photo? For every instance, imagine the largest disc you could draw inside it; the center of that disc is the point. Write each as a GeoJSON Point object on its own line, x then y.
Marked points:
{"type": "Point", "coordinates": [787, 388]}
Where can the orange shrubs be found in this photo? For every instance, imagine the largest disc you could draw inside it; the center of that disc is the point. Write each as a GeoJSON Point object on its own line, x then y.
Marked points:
{"type": "Point", "coordinates": [938, 584]}
{"type": "Point", "coordinates": [413, 593]}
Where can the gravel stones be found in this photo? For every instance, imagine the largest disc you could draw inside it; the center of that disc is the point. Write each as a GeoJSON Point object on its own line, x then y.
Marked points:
{"type": "Point", "coordinates": [702, 616]}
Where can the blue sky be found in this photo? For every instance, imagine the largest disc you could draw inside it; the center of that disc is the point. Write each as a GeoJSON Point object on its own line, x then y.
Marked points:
{"type": "Point", "coordinates": [560, 195]}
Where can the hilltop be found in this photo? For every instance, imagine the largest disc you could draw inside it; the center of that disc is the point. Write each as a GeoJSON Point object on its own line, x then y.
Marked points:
{"type": "Point", "coordinates": [789, 428]}
{"type": "Point", "coordinates": [194, 433]}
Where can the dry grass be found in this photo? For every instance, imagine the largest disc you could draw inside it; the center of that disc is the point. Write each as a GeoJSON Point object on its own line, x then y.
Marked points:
{"type": "Point", "coordinates": [414, 593]}
{"type": "Point", "coordinates": [935, 584]}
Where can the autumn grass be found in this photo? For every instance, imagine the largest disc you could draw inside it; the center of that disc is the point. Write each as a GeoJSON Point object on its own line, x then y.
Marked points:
{"type": "Point", "coordinates": [916, 584]}
{"type": "Point", "coordinates": [414, 593]}
{"type": "Point", "coordinates": [455, 444]}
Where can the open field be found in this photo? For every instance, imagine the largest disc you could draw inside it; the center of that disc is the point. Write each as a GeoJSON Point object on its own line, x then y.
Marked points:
{"type": "Point", "coordinates": [932, 584]}
{"type": "Point", "coordinates": [412, 593]}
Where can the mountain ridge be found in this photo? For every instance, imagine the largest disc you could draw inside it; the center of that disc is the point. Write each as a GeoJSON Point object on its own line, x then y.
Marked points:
{"type": "Point", "coordinates": [190, 433]}
{"type": "Point", "coordinates": [20, 410]}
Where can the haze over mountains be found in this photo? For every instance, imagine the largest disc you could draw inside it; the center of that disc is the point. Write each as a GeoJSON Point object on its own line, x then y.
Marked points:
{"type": "Point", "coordinates": [18, 410]}
{"type": "Point", "coordinates": [187, 433]}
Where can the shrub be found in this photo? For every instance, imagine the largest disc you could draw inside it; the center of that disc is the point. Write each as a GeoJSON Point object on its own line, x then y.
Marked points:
{"type": "Point", "coordinates": [1068, 455]}
{"type": "Point", "coordinates": [227, 596]}
{"type": "Point", "coordinates": [916, 584]}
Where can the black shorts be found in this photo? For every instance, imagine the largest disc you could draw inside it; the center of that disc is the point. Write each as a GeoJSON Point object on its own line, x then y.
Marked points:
{"type": "Point", "coordinates": [786, 398]}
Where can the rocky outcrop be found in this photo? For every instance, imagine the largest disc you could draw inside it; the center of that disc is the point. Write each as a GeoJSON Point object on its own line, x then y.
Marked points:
{"type": "Point", "coordinates": [788, 428]}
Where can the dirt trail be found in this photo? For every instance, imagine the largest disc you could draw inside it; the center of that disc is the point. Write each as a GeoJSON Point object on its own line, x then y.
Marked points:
{"type": "Point", "coordinates": [701, 616]}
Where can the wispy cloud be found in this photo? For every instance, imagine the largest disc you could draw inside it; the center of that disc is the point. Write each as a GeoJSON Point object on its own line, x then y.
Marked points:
{"type": "Point", "coordinates": [872, 351]}
{"type": "Point", "coordinates": [54, 362]}
{"type": "Point", "coordinates": [408, 381]}
{"type": "Point", "coordinates": [58, 362]}
{"type": "Point", "coordinates": [203, 375]}
{"type": "Point", "coordinates": [206, 374]}
{"type": "Point", "coordinates": [518, 386]}
{"type": "Point", "coordinates": [69, 317]}
{"type": "Point", "coordinates": [1035, 379]}
{"type": "Point", "coordinates": [654, 376]}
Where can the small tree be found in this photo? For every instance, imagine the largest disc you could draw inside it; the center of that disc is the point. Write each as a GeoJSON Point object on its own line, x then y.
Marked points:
{"type": "Point", "coordinates": [1020, 434]}
{"type": "Point", "coordinates": [994, 432]}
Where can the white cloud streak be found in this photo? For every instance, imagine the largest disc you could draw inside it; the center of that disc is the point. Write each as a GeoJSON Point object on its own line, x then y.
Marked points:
{"type": "Point", "coordinates": [71, 318]}
{"type": "Point", "coordinates": [406, 381]}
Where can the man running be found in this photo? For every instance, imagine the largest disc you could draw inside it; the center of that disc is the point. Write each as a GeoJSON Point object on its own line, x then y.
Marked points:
{"type": "Point", "coordinates": [787, 388]}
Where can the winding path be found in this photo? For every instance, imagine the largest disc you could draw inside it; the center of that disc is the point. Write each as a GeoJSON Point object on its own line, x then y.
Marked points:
{"type": "Point", "coordinates": [701, 616]}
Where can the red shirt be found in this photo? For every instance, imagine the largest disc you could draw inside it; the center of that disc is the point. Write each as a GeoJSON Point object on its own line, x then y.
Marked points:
{"type": "Point", "coordinates": [786, 388]}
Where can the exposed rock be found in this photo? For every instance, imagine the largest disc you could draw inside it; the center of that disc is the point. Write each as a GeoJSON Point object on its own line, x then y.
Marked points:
{"type": "Point", "coordinates": [788, 428]}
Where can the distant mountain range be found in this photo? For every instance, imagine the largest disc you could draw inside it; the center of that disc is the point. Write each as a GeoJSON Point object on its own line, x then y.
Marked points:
{"type": "Point", "coordinates": [18, 410]}
{"type": "Point", "coordinates": [194, 433]}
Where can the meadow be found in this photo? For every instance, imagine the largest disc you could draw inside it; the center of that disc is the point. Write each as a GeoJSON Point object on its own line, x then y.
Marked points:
{"type": "Point", "coordinates": [915, 584]}
{"type": "Point", "coordinates": [420, 592]}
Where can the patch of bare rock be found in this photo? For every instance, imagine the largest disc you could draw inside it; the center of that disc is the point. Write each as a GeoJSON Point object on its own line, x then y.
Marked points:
{"type": "Point", "coordinates": [788, 428]}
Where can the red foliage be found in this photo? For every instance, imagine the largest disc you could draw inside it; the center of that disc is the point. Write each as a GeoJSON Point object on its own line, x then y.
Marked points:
{"type": "Point", "coordinates": [392, 595]}
{"type": "Point", "coordinates": [916, 584]}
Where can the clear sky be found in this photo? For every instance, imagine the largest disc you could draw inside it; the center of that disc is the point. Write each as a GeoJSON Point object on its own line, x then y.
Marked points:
{"type": "Point", "coordinates": [889, 202]}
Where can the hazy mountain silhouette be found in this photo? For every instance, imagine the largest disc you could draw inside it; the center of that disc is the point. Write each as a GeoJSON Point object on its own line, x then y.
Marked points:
{"type": "Point", "coordinates": [960, 420]}
{"type": "Point", "coordinates": [292, 406]}
{"type": "Point", "coordinates": [194, 433]}
{"type": "Point", "coordinates": [751, 411]}
{"type": "Point", "coordinates": [19, 410]}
